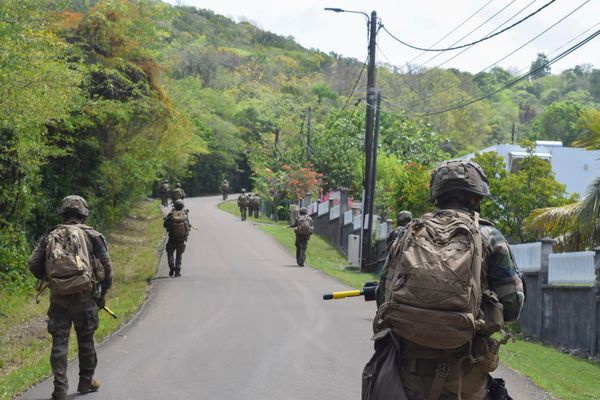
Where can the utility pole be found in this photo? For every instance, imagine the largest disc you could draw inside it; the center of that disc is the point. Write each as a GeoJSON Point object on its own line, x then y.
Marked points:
{"type": "Point", "coordinates": [368, 198]}
{"type": "Point", "coordinates": [367, 207]}
{"type": "Point", "coordinates": [373, 179]}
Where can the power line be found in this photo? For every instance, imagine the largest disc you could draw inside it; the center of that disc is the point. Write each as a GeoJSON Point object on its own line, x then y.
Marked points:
{"type": "Point", "coordinates": [452, 31]}
{"type": "Point", "coordinates": [462, 82]}
{"type": "Point", "coordinates": [470, 47]}
{"type": "Point", "coordinates": [350, 95]}
{"type": "Point", "coordinates": [475, 42]}
{"type": "Point", "coordinates": [516, 80]}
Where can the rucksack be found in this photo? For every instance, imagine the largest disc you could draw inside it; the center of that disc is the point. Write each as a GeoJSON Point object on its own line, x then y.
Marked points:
{"type": "Point", "coordinates": [179, 228]}
{"type": "Point", "coordinates": [243, 200]}
{"type": "Point", "coordinates": [433, 287]}
{"type": "Point", "coordinates": [68, 267]}
{"type": "Point", "coordinates": [304, 227]}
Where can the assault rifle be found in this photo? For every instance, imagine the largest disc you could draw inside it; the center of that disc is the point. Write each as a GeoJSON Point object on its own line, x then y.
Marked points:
{"type": "Point", "coordinates": [369, 291]}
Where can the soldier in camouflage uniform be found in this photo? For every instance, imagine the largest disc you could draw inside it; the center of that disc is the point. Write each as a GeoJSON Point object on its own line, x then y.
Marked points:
{"type": "Point", "coordinates": [404, 217]}
{"type": "Point", "coordinates": [256, 205]}
{"type": "Point", "coordinates": [164, 193]}
{"type": "Point", "coordinates": [79, 309]}
{"type": "Point", "coordinates": [177, 241]}
{"type": "Point", "coordinates": [419, 367]}
{"type": "Point", "coordinates": [177, 193]}
{"type": "Point", "coordinates": [225, 189]}
{"type": "Point", "coordinates": [242, 202]}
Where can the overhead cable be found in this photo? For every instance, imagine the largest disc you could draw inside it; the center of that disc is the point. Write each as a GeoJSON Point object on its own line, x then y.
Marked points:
{"type": "Point", "coordinates": [516, 80]}
{"type": "Point", "coordinates": [512, 52]}
{"type": "Point", "coordinates": [452, 31]}
{"type": "Point", "coordinates": [472, 43]}
{"type": "Point", "coordinates": [350, 95]}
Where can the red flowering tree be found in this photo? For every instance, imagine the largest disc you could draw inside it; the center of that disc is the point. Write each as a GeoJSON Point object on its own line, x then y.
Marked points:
{"type": "Point", "coordinates": [297, 181]}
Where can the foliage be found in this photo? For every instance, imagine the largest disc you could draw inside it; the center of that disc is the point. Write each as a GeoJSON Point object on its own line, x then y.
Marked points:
{"type": "Point", "coordinates": [517, 194]}
{"type": "Point", "coordinates": [538, 68]}
{"type": "Point", "coordinates": [412, 190]}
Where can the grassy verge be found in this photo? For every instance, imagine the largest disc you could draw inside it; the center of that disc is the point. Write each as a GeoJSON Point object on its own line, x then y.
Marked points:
{"type": "Point", "coordinates": [564, 376]}
{"type": "Point", "coordinates": [24, 342]}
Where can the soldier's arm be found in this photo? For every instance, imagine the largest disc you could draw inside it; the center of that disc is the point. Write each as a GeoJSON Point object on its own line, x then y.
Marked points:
{"type": "Point", "coordinates": [503, 276]}
{"type": "Point", "coordinates": [167, 221]}
{"type": "Point", "coordinates": [101, 252]}
{"type": "Point", "coordinates": [36, 262]}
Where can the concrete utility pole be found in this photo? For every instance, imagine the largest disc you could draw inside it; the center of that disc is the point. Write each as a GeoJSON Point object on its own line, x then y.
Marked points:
{"type": "Point", "coordinates": [372, 262]}
{"type": "Point", "coordinates": [367, 255]}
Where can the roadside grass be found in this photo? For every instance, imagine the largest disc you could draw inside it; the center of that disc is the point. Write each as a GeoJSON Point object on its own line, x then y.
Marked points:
{"type": "Point", "coordinates": [565, 376]}
{"type": "Point", "coordinates": [24, 342]}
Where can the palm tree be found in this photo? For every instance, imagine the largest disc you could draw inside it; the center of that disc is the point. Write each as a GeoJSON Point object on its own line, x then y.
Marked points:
{"type": "Point", "coordinates": [576, 226]}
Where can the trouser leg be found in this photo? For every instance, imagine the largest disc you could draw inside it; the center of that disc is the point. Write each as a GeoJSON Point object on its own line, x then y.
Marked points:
{"type": "Point", "coordinates": [85, 319]}
{"type": "Point", "coordinates": [59, 326]}
{"type": "Point", "coordinates": [180, 250]}
{"type": "Point", "coordinates": [170, 255]}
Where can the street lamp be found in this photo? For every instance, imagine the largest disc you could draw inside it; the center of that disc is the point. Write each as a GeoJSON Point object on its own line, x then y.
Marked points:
{"type": "Point", "coordinates": [368, 186]}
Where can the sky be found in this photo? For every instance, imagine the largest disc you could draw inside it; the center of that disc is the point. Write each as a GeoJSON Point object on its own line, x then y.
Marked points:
{"type": "Point", "coordinates": [422, 23]}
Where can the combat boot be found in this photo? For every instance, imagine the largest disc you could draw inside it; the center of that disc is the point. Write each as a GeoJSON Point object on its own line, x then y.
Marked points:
{"type": "Point", "coordinates": [59, 395]}
{"type": "Point", "coordinates": [88, 386]}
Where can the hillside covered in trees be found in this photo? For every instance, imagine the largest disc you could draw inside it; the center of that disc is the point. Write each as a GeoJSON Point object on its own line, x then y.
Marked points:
{"type": "Point", "coordinates": [104, 98]}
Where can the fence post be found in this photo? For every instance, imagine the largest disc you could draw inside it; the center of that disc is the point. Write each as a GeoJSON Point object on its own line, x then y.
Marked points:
{"type": "Point", "coordinates": [596, 302]}
{"type": "Point", "coordinates": [547, 244]}
{"type": "Point", "coordinates": [307, 199]}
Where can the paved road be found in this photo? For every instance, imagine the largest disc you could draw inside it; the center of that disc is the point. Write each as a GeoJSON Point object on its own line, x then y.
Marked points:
{"type": "Point", "coordinates": [243, 322]}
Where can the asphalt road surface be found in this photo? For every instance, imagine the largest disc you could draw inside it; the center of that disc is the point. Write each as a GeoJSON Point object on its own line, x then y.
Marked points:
{"type": "Point", "coordinates": [243, 322]}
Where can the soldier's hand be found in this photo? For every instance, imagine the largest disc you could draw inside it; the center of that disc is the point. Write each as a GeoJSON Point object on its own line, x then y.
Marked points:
{"type": "Point", "coordinates": [101, 301]}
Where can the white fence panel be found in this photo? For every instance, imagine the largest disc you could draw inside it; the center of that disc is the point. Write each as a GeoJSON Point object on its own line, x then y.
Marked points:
{"type": "Point", "coordinates": [572, 268]}
{"type": "Point", "coordinates": [357, 221]}
{"type": "Point", "coordinates": [383, 231]}
{"type": "Point", "coordinates": [528, 256]}
{"type": "Point", "coordinates": [323, 208]}
{"type": "Point", "coordinates": [334, 212]}
{"type": "Point", "coordinates": [348, 217]}
{"type": "Point", "coordinates": [312, 208]}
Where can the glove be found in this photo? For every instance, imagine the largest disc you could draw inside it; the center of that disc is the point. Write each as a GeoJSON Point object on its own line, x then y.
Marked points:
{"type": "Point", "coordinates": [101, 301]}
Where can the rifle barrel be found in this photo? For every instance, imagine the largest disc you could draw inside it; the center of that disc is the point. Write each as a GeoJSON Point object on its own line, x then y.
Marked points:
{"type": "Point", "coordinates": [342, 295]}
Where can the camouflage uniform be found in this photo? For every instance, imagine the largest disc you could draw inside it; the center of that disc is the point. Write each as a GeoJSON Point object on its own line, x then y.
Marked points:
{"type": "Point", "coordinates": [164, 194]}
{"type": "Point", "coordinates": [452, 183]}
{"type": "Point", "coordinates": [498, 273]}
{"type": "Point", "coordinates": [243, 204]}
{"type": "Point", "coordinates": [175, 247]}
{"type": "Point", "coordinates": [301, 240]}
{"type": "Point", "coordinates": [79, 310]}
{"type": "Point", "coordinates": [177, 193]}
{"type": "Point", "coordinates": [256, 205]}
{"type": "Point", "coordinates": [225, 189]}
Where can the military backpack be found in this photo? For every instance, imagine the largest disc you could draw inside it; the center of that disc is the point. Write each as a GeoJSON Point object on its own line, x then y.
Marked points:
{"type": "Point", "coordinates": [179, 227]}
{"type": "Point", "coordinates": [304, 226]}
{"type": "Point", "coordinates": [433, 287]}
{"type": "Point", "coordinates": [68, 266]}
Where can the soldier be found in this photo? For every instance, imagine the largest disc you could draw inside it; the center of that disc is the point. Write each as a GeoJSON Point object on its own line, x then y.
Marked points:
{"type": "Point", "coordinates": [178, 193]}
{"type": "Point", "coordinates": [225, 189]}
{"type": "Point", "coordinates": [404, 217]}
{"type": "Point", "coordinates": [256, 205]}
{"type": "Point", "coordinates": [72, 258]}
{"type": "Point", "coordinates": [243, 204]}
{"type": "Point", "coordinates": [250, 205]}
{"type": "Point", "coordinates": [303, 228]}
{"type": "Point", "coordinates": [178, 226]}
{"type": "Point", "coordinates": [164, 193]}
{"type": "Point", "coordinates": [436, 364]}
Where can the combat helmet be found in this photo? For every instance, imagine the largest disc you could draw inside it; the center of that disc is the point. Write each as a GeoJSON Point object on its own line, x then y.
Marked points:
{"type": "Point", "coordinates": [74, 204]}
{"type": "Point", "coordinates": [178, 185]}
{"type": "Point", "coordinates": [460, 175]}
{"type": "Point", "coordinates": [404, 217]}
{"type": "Point", "coordinates": [303, 211]}
{"type": "Point", "coordinates": [178, 204]}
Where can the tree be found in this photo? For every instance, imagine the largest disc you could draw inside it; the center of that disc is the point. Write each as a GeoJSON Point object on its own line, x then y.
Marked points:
{"type": "Point", "coordinates": [538, 68]}
{"type": "Point", "coordinates": [517, 194]}
{"type": "Point", "coordinates": [576, 225]}
{"type": "Point", "coordinates": [559, 121]}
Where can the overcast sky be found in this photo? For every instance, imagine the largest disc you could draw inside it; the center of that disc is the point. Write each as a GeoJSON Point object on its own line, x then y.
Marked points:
{"type": "Point", "coordinates": [422, 23]}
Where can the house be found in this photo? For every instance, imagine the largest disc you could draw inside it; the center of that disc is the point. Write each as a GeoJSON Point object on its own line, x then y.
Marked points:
{"type": "Point", "coordinates": [574, 167]}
